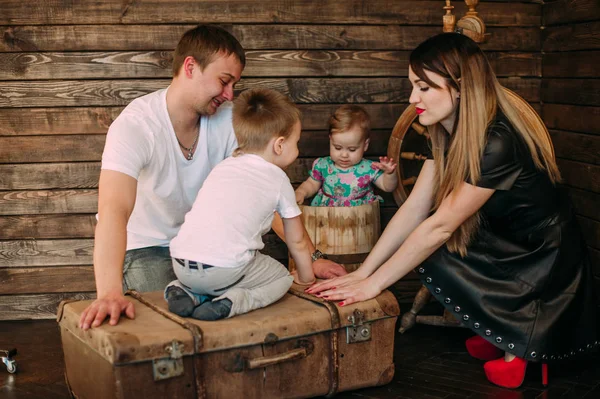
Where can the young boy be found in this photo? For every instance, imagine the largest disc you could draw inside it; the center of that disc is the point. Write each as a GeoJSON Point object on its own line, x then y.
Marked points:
{"type": "Point", "coordinates": [215, 253]}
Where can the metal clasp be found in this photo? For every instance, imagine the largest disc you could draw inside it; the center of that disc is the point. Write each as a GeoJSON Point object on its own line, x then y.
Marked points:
{"type": "Point", "coordinates": [171, 366]}
{"type": "Point", "coordinates": [360, 330]}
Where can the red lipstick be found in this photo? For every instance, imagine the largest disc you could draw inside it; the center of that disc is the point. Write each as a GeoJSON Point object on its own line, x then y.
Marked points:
{"type": "Point", "coordinates": [419, 111]}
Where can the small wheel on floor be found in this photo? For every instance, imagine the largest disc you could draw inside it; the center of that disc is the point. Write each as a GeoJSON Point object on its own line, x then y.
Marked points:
{"type": "Point", "coordinates": [11, 366]}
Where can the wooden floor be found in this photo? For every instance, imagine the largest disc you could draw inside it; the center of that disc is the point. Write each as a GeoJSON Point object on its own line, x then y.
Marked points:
{"type": "Point", "coordinates": [431, 362]}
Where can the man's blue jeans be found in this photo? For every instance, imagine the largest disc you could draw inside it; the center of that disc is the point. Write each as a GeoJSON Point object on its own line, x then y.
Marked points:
{"type": "Point", "coordinates": [147, 269]}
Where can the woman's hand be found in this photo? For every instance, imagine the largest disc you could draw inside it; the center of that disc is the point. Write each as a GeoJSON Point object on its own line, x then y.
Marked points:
{"type": "Point", "coordinates": [336, 282]}
{"type": "Point", "coordinates": [356, 291]}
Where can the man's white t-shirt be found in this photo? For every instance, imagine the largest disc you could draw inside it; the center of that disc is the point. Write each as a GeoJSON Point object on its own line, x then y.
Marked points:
{"type": "Point", "coordinates": [233, 210]}
{"type": "Point", "coordinates": [141, 143]}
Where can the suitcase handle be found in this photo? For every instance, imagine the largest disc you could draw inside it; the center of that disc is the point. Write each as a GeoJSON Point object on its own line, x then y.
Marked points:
{"type": "Point", "coordinates": [266, 361]}
{"type": "Point", "coordinates": [240, 363]}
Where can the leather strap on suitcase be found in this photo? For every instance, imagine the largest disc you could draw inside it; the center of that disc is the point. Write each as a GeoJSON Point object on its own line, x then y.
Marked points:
{"type": "Point", "coordinates": [195, 330]}
{"type": "Point", "coordinates": [334, 369]}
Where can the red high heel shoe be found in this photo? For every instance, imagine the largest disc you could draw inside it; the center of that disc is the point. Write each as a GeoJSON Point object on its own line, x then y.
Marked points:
{"type": "Point", "coordinates": [481, 349]}
{"type": "Point", "coordinates": [510, 374]}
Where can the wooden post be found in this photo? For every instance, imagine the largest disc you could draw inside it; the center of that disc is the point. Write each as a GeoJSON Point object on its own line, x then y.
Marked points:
{"type": "Point", "coordinates": [471, 25]}
{"type": "Point", "coordinates": [413, 156]}
{"type": "Point", "coordinates": [449, 19]}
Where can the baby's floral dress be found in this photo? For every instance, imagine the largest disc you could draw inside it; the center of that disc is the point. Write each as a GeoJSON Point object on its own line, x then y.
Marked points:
{"type": "Point", "coordinates": [349, 187]}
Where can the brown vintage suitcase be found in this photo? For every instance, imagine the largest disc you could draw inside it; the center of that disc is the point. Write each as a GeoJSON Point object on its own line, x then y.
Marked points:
{"type": "Point", "coordinates": [298, 347]}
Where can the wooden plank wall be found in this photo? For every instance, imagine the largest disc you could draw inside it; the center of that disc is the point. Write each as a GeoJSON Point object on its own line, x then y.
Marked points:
{"type": "Point", "coordinates": [68, 68]}
{"type": "Point", "coordinates": [571, 106]}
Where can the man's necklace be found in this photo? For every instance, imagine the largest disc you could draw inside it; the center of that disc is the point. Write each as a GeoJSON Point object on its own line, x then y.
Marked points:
{"type": "Point", "coordinates": [190, 150]}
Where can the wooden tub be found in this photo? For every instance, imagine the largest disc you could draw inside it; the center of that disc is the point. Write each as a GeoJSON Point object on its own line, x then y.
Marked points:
{"type": "Point", "coordinates": [345, 234]}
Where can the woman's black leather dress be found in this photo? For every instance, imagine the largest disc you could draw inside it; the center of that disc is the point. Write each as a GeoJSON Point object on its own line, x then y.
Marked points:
{"type": "Point", "coordinates": [526, 284]}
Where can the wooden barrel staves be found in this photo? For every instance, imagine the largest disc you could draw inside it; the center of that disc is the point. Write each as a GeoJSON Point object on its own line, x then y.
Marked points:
{"type": "Point", "coordinates": [345, 234]}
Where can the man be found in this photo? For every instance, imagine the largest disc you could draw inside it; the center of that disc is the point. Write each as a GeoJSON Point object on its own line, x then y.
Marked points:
{"type": "Point", "coordinates": [157, 154]}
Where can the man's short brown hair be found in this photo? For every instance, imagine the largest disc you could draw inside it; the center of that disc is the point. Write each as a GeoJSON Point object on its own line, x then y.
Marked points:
{"type": "Point", "coordinates": [259, 115]}
{"type": "Point", "coordinates": [203, 43]}
{"type": "Point", "coordinates": [347, 116]}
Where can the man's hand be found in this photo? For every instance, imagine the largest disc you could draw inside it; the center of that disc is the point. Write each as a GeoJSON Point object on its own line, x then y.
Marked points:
{"type": "Point", "coordinates": [95, 314]}
{"type": "Point", "coordinates": [326, 269]}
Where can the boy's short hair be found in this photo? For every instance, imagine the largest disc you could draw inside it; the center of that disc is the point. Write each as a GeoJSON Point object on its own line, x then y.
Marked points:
{"type": "Point", "coordinates": [347, 116]}
{"type": "Point", "coordinates": [203, 43]}
{"type": "Point", "coordinates": [259, 115]}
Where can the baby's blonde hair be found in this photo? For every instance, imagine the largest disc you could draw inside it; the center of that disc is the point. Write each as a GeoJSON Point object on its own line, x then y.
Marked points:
{"type": "Point", "coordinates": [259, 115]}
{"type": "Point", "coordinates": [346, 117]}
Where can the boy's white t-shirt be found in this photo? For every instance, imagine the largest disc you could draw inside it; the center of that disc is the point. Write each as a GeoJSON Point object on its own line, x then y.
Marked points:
{"type": "Point", "coordinates": [141, 143]}
{"type": "Point", "coordinates": [233, 210]}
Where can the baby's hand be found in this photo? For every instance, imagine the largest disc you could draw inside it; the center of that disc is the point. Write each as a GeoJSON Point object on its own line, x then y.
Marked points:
{"type": "Point", "coordinates": [300, 198]}
{"type": "Point", "coordinates": [386, 164]}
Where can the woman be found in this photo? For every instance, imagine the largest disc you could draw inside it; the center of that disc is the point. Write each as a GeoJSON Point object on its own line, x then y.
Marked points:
{"type": "Point", "coordinates": [492, 236]}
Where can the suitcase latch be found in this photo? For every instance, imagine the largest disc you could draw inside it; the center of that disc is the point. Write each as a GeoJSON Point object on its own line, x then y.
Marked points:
{"type": "Point", "coordinates": [359, 331]}
{"type": "Point", "coordinates": [171, 366]}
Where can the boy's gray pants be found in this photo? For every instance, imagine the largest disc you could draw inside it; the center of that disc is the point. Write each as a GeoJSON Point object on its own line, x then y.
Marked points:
{"type": "Point", "coordinates": [259, 283]}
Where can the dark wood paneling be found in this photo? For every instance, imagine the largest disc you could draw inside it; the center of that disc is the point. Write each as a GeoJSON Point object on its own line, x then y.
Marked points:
{"type": "Point", "coordinates": [516, 64]}
{"type": "Point", "coordinates": [572, 117]}
{"type": "Point", "coordinates": [62, 12]}
{"type": "Point", "coordinates": [586, 203]}
{"type": "Point", "coordinates": [259, 63]}
{"type": "Point", "coordinates": [571, 91]}
{"type": "Point", "coordinates": [252, 37]}
{"type": "Point", "coordinates": [581, 36]}
{"type": "Point", "coordinates": [595, 260]}
{"type": "Point", "coordinates": [47, 226]}
{"type": "Point", "coordinates": [35, 149]}
{"type": "Point", "coordinates": [576, 147]}
{"type": "Point", "coordinates": [564, 11]}
{"type": "Point", "coordinates": [34, 252]}
{"type": "Point", "coordinates": [76, 93]}
{"type": "Point", "coordinates": [37, 306]}
{"type": "Point", "coordinates": [591, 231]}
{"type": "Point", "coordinates": [580, 175]}
{"type": "Point", "coordinates": [49, 176]}
{"type": "Point", "coordinates": [45, 201]}
{"type": "Point", "coordinates": [528, 88]}
{"type": "Point", "coordinates": [35, 280]}
{"type": "Point", "coordinates": [32, 121]}
{"type": "Point", "coordinates": [577, 64]}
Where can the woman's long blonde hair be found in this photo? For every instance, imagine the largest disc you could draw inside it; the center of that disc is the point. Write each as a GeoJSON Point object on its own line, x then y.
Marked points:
{"type": "Point", "coordinates": [463, 65]}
